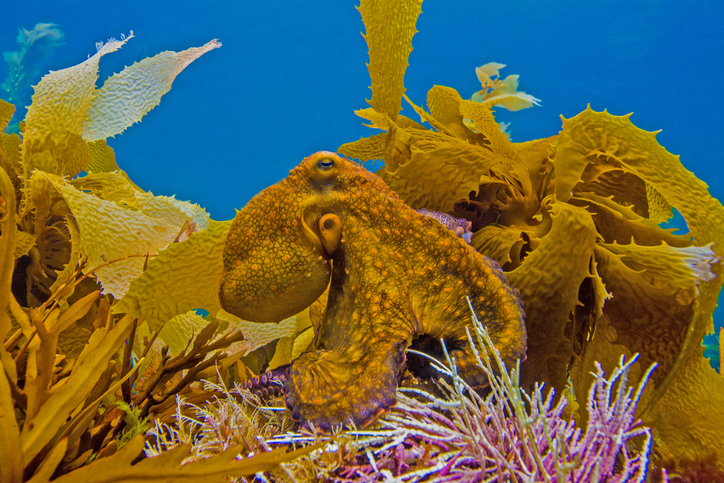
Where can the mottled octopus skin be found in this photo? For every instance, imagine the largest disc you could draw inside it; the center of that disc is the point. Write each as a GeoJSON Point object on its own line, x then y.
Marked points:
{"type": "Point", "coordinates": [395, 274]}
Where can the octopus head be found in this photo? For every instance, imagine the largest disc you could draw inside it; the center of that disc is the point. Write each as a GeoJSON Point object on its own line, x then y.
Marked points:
{"type": "Point", "coordinates": [278, 251]}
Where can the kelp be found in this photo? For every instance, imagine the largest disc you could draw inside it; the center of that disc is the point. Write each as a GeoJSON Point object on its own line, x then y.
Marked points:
{"type": "Point", "coordinates": [574, 221]}
{"type": "Point", "coordinates": [70, 248]}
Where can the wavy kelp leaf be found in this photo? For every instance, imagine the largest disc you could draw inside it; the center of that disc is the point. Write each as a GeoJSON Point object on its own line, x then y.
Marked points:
{"type": "Point", "coordinates": [23, 243]}
{"type": "Point", "coordinates": [257, 334]}
{"type": "Point", "coordinates": [534, 155]}
{"type": "Point", "coordinates": [618, 223]}
{"type": "Point", "coordinates": [445, 173]}
{"type": "Point", "coordinates": [302, 342]}
{"type": "Point", "coordinates": [103, 159]}
{"type": "Point", "coordinates": [549, 280]}
{"type": "Point", "coordinates": [660, 210]}
{"type": "Point", "coordinates": [426, 117]}
{"type": "Point", "coordinates": [54, 123]}
{"type": "Point", "coordinates": [177, 333]}
{"type": "Point", "coordinates": [10, 155]}
{"type": "Point", "coordinates": [6, 113]}
{"type": "Point", "coordinates": [283, 352]}
{"type": "Point", "coordinates": [365, 149]}
{"type": "Point", "coordinates": [688, 417]}
{"type": "Point", "coordinates": [127, 96]}
{"type": "Point", "coordinates": [501, 243]}
{"type": "Point", "coordinates": [655, 318]}
{"type": "Point", "coordinates": [444, 105]}
{"type": "Point", "coordinates": [183, 277]}
{"type": "Point", "coordinates": [649, 315]}
{"type": "Point", "coordinates": [176, 212]}
{"type": "Point", "coordinates": [626, 189]}
{"type": "Point", "coordinates": [112, 186]}
{"type": "Point", "coordinates": [484, 120]}
{"type": "Point", "coordinates": [602, 138]}
{"type": "Point", "coordinates": [109, 232]}
{"type": "Point", "coordinates": [681, 267]}
{"type": "Point", "coordinates": [117, 187]}
{"type": "Point", "coordinates": [379, 119]}
{"type": "Point", "coordinates": [389, 26]}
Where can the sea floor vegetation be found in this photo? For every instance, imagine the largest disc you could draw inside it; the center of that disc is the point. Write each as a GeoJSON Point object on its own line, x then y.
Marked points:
{"type": "Point", "coordinates": [454, 434]}
{"type": "Point", "coordinates": [110, 374]}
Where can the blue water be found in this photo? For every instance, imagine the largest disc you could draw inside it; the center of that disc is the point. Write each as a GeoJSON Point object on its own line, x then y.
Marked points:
{"type": "Point", "coordinates": [290, 74]}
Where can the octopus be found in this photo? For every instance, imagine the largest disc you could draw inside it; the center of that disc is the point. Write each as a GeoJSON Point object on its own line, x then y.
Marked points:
{"type": "Point", "coordinates": [394, 276]}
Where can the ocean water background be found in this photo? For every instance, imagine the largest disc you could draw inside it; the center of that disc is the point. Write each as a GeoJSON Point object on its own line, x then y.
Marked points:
{"type": "Point", "coordinates": [290, 74]}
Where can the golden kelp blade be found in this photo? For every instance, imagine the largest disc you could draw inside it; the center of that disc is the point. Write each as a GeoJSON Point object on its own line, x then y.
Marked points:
{"type": "Point", "coordinates": [67, 111]}
{"type": "Point", "coordinates": [127, 96]}
{"type": "Point", "coordinates": [109, 231]}
{"type": "Point", "coordinates": [688, 391]}
{"type": "Point", "coordinates": [6, 113]}
{"type": "Point", "coordinates": [390, 26]}
{"type": "Point", "coordinates": [549, 279]}
{"type": "Point", "coordinates": [183, 277]}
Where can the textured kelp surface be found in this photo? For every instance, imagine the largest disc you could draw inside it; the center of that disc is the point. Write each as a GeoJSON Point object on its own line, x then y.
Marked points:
{"type": "Point", "coordinates": [574, 221]}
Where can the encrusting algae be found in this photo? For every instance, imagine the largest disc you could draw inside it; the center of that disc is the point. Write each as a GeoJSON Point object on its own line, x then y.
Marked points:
{"type": "Point", "coordinates": [99, 281]}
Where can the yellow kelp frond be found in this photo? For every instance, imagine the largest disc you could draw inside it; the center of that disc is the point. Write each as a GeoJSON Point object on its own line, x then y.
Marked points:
{"type": "Point", "coordinates": [618, 223]}
{"type": "Point", "coordinates": [660, 210]}
{"type": "Point", "coordinates": [501, 92]}
{"type": "Point", "coordinates": [444, 105]}
{"type": "Point", "coordinates": [111, 233]}
{"type": "Point", "coordinates": [681, 267]}
{"type": "Point", "coordinates": [365, 149]}
{"type": "Point", "coordinates": [6, 113]}
{"type": "Point", "coordinates": [177, 333]}
{"type": "Point", "coordinates": [649, 315]}
{"type": "Point", "coordinates": [688, 418]}
{"type": "Point", "coordinates": [483, 118]}
{"type": "Point", "coordinates": [503, 244]}
{"type": "Point", "coordinates": [103, 160]}
{"type": "Point", "coordinates": [112, 186]}
{"type": "Point", "coordinates": [183, 277]}
{"type": "Point", "coordinates": [549, 280]}
{"type": "Point", "coordinates": [426, 117]}
{"type": "Point", "coordinates": [67, 112]}
{"type": "Point", "coordinates": [599, 137]}
{"type": "Point", "coordinates": [445, 172]}
{"type": "Point", "coordinates": [257, 334]}
{"type": "Point", "coordinates": [390, 26]}
{"type": "Point", "coordinates": [117, 187]}
{"type": "Point", "coordinates": [127, 96]}
{"type": "Point", "coordinates": [54, 123]}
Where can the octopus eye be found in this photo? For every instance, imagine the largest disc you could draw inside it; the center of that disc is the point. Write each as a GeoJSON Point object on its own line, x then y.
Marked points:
{"type": "Point", "coordinates": [325, 164]}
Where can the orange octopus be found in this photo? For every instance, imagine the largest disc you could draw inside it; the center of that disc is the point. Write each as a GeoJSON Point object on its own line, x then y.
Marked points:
{"type": "Point", "coordinates": [394, 275]}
